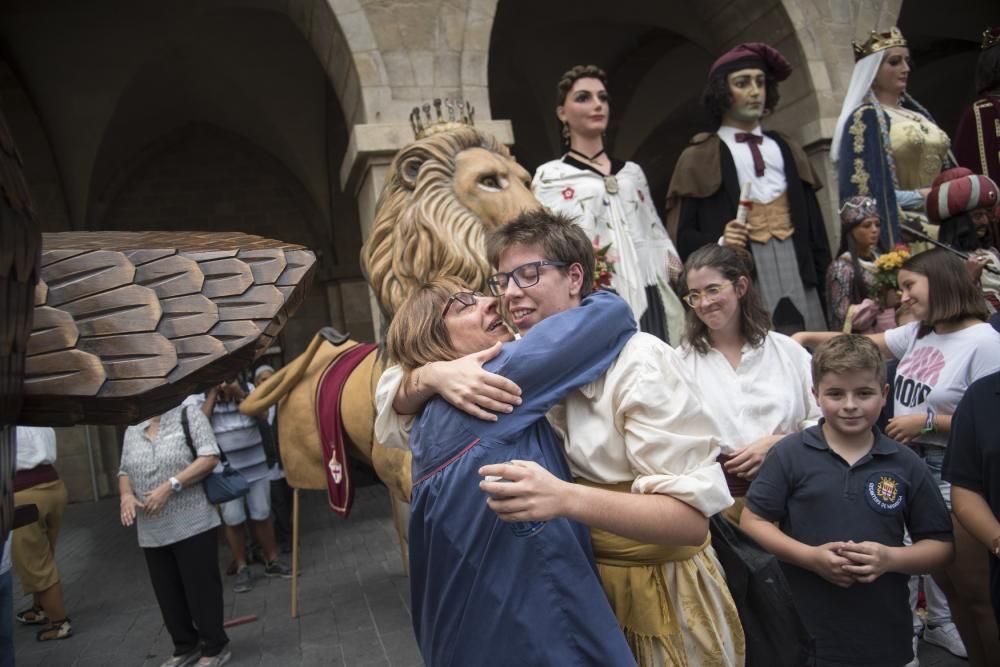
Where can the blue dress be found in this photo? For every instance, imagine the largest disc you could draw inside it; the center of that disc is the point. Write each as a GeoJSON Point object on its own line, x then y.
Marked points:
{"type": "Point", "coordinates": [482, 595]}
{"type": "Point", "coordinates": [867, 165]}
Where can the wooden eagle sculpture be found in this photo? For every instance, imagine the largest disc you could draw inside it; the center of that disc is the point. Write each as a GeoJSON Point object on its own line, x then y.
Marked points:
{"type": "Point", "coordinates": [115, 327]}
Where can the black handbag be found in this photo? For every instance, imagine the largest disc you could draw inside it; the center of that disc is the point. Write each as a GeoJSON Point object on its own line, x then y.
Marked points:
{"type": "Point", "coordinates": [775, 634]}
{"type": "Point", "coordinates": [220, 487]}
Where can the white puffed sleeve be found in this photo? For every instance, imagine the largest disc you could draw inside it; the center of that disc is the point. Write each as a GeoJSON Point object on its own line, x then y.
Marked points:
{"type": "Point", "coordinates": [391, 428]}
{"type": "Point", "coordinates": [671, 443]}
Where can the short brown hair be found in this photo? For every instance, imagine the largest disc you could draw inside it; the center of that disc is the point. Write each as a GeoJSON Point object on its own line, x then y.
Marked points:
{"type": "Point", "coordinates": [574, 74]}
{"type": "Point", "coordinates": [733, 264]}
{"type": "Point", "coordinates": [559, 238]}
{"type": "Point", "coordinates": [417, 334]}
{"type": "Point", "coordinates": [951, 294]}
{"type": "Point", "coordinates": [848, 353]}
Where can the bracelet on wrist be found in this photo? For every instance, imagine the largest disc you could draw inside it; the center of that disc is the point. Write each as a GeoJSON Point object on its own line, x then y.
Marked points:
{"type": "Point", "coordinates": [929, 424]}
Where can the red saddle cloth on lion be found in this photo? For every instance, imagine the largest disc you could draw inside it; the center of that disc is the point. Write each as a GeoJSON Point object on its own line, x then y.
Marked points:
{"type": "Point", "coordinates": [329, 392]}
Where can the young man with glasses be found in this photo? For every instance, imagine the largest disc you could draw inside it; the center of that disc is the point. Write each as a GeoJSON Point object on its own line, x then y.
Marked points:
{"type": "Point", "coordinates": [643, 452]}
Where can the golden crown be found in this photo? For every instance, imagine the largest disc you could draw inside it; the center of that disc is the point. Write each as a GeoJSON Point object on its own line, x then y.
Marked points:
{"type": "Point", "coordinates": [991, 37]}
{"type": "Point", "coordinates": [460, 114]}
{"type": "Point", "coordinates": [878, 41]}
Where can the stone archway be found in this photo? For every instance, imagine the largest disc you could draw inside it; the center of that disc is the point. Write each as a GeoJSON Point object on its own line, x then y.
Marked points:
{"type": "Point", "coordinates": [344, 43]}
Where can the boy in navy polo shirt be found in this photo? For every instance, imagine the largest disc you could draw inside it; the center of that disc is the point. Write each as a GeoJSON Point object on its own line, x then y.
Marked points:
{"type": "Point", "coordinates": [842, 494]}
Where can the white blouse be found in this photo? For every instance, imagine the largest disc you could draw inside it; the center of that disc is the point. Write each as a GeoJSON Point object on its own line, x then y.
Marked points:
{"type": "Point", "coordinates": [769, 393]}
{"type": "Point", "coordinates": [643, 422]}
{"type": "Point", "coordinates": [391, 428]}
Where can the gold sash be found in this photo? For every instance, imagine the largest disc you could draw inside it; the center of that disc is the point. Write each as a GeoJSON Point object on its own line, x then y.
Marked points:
{"type": "Point", "coordinates": [656, 603]}
{"type": "Point", "coordinates": [772, 219]}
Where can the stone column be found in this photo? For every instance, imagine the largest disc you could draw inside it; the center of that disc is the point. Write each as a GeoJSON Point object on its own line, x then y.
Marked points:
{"type": "Point", "coordinates": [363, 172]}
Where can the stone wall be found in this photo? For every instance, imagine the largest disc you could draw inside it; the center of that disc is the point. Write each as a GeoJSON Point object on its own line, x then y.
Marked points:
{"type": "Point", "coordinates": [76, 454]}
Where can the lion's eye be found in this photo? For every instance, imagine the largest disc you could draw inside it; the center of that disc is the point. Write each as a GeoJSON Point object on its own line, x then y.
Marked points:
{"type": "Point", "coordinates": [490, 181]}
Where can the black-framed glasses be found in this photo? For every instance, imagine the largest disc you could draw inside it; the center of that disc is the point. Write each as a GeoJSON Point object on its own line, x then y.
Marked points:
{"type": "Point", "coordinates": [523, 276]}
{"type": "Point", "coordinates": [464, 298]}
{"type": "Point", "coordinates": [694, 297]}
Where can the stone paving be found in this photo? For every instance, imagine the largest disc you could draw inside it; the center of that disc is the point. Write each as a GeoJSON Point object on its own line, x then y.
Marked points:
{"type": "Point", "coordinates": [353, 597]}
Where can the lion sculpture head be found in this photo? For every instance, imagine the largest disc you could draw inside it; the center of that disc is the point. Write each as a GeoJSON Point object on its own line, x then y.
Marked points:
{"type": "Point", "coordinates": [442, 194]}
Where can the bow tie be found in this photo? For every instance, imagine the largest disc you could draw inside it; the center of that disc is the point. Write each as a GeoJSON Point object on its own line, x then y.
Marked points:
{"type": "Point", "coordinates": [753, 141]}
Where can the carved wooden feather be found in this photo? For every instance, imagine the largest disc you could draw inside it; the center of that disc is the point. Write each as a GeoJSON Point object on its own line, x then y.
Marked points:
{"type": "Point", "coordinates": [129, 323]}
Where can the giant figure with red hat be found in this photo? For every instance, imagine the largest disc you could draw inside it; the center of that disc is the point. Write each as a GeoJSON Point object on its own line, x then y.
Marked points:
{"type": "Point", "coordinates": [784, 227]}
{"type": "Point", "coordinates": [977, 141]}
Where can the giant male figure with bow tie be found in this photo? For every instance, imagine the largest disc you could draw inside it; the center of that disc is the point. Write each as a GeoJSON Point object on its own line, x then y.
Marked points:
{"type": "Point", "coordinates": [784, 228]}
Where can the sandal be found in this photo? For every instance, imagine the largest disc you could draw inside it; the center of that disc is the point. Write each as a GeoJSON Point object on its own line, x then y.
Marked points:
{"type": "Point", "coordinates": [57, 630]}
{"type": "Point", "coordinates": [32, 616]}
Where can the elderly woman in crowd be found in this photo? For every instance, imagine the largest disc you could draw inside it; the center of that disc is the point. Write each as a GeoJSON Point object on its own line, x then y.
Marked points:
{"type": "Point", "coordinates": [160, 492]}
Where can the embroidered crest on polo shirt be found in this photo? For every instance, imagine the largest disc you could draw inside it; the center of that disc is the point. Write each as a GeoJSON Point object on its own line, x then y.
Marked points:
{"type": "Point", "coordinates": [885, 492]}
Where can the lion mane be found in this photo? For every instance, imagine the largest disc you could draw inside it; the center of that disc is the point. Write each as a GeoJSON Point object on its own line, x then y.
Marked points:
{"type": "Point", "coordinates": [421, 230]}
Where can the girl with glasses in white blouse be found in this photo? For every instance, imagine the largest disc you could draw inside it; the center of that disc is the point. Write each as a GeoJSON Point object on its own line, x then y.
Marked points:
{"type": "Point", "coordinates": [757, 382]}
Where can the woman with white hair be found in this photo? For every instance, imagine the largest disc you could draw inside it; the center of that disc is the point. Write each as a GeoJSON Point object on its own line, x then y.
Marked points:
{"type": "Point", "coordinates": [886, 145]}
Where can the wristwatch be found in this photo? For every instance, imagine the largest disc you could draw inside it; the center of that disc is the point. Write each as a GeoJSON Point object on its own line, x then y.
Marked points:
{"type": "Point", "coordinates": [176, 485]}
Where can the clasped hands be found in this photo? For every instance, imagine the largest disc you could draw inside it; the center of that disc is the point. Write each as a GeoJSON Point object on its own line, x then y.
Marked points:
{"type": "Point", "coordinates": [154, 503]}
{"type": "Point", "coordinates": [746, 462]}
{"type": "Point", "coordinates": [847, 563]}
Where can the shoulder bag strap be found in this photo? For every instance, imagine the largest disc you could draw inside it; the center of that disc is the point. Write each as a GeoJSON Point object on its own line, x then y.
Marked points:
{"type": "Point", "coordinates": [187, 439]}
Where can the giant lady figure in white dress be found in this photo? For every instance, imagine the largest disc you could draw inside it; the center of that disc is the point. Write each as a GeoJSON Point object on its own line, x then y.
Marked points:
{"type": "Point", "coordinates": [610, 200]}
